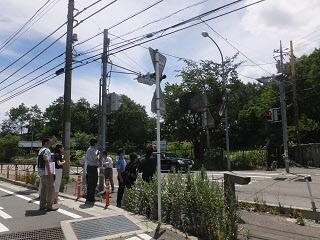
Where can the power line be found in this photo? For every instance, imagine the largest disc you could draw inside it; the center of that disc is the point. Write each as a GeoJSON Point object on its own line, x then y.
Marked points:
{"type": "Point", "coordinates": [26, 75]}
{"type": "Point", "coordinates": [9, 39]}
{"type": "Point", "coordinates": [23, 66]}
{"type": "Point", "coordinates": [234, 47]}
{"type": "Point", "coordinates": [163, 35]}
{"type": "Point", "coordinates": [164, 18]}
{"type": "Point", "coordinates": [49, 45]}
{"type": "Point", "coordinates": [122, 21]}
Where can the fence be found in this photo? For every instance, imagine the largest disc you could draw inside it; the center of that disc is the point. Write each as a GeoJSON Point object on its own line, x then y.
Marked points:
{"type": "Point", "coordinates": [309, 156]}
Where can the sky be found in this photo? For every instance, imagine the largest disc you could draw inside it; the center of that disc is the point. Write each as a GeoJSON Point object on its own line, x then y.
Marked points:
{"type": "Point", "coordinates": [255, 31]}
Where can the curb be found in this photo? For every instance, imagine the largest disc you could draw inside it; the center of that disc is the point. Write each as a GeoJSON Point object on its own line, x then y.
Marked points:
{"type": "Point", "coordinates": [280, 210]}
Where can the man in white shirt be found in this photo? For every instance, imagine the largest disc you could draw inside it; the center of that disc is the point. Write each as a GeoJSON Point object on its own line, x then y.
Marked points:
{"type": "Point", "coordinates": [46, 176]}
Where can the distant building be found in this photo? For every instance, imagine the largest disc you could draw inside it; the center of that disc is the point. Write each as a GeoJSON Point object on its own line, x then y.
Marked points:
{"type": "Point", "coordinates": [30, 144]}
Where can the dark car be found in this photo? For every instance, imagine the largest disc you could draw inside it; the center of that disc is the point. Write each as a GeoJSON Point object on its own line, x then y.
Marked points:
{"type": "Point", "coordinates": [170, 162]}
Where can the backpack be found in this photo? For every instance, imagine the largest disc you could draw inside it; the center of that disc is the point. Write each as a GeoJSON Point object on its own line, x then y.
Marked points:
{"type": "Point", "coordinates": [41, 163]}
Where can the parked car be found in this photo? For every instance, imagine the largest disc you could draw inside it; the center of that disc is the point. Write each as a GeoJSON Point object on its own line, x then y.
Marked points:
{"type": "Point", "coordinates": [171, 162]}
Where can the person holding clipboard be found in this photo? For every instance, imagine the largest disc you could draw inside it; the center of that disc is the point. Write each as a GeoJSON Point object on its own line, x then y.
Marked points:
{"type": "Point", "coordinates": [46, 170]}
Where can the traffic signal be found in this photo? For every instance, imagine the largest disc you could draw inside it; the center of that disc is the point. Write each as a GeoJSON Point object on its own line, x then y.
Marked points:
{"type": "Point", "coordinates": [273, 115]}
{"type": "Point", "coordinates": [269, 115]}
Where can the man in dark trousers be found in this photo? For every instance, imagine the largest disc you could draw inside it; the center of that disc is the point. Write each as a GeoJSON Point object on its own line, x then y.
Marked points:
{"type": "Point", "coordinates": [92, 163]}
{"type": "Point", "coordinates": [149, 164]}
{"type": "Point", "coordinates": [121, 167]}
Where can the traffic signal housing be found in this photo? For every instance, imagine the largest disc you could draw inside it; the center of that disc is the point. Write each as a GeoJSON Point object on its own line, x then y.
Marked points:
{"type": "Point", "coordinates": [273, 115]}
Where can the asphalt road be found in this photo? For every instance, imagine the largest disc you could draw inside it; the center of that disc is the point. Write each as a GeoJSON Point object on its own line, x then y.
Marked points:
{"type": "Point", "coordinates": [18, 211]}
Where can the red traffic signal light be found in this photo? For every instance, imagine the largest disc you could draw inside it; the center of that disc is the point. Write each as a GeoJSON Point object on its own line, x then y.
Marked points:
{"type": "Point", "coordinates": [269, 115]}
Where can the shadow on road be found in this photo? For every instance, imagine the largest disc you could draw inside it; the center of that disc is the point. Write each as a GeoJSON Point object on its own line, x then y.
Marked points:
{"type": "Point", "coordinates": [34, 213]}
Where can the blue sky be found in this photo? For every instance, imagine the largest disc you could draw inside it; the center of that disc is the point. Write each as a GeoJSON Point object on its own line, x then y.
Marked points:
{"type": "Point", "coordinates": [255, 31]}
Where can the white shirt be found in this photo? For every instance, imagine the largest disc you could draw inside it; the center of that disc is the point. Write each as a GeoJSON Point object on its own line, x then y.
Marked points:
{"type": "Point", "coordinates": [46, 157]}
{"type": "Point", "coordinates": [107, 162]}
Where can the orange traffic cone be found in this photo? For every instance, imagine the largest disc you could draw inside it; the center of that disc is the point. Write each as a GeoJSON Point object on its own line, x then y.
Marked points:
{"type": "Point", "coordinates": [107, 192]}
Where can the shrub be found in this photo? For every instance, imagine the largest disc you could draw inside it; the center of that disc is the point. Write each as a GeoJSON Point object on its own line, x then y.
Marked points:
{"type": "Point", "coordinates": [246, 160]}
{"type": "Point", "coordinates": [191, 203]}
{"type": "Point", "coordinates": [8, 147]}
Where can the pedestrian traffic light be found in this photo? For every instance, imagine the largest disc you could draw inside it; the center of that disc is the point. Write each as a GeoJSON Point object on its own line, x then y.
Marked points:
{"type": "Point", "coordinates": [269, 115]}
{"type": "Point", "coordinates": [273, 115]}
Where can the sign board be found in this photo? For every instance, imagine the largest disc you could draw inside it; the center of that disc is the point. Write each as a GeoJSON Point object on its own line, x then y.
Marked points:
{"type": "Point", "coordinates": [163, 145]}
{"type": "Point", "coordinates": [162, 103]}
{"type": "Point", "coordinates": [114, 102]}
{"type": "Point", "coordinates": [162, 60]}
{"type": "Point", "coordinates": [30, 144]}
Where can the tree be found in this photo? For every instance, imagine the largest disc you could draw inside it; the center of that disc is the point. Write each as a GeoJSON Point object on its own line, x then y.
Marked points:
{"type": "Point", "coordinates": [128, 127]}
{"type": "Point", "coordinates": [53, 117]}
{"type": "Point", "coordinates": [18, 120]}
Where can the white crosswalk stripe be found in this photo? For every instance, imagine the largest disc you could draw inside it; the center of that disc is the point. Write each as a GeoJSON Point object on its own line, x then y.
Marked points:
{"type": "Point", "coordinates": [141, 237]}
{"type": "Point", "coordinates": [4, 215]}
{"type": "Point", "coordinates": [67, 213]}
{"type": "Point", "coordinates": [3, 228]}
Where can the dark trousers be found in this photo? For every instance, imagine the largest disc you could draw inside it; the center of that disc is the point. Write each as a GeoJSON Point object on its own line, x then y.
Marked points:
{"type": "Point", "coordinates": [120, 192]}
{"type": "Point", "coordinates": [92, 179]}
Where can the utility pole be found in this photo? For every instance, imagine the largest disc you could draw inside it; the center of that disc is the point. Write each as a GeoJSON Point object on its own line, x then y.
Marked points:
{"type": "Point", "coordinates": [67, 90]}
{"type": "Point", "coordinates": [295, 100]}
{"type": "Point", "coordinates": [104, 88]}
{"type": "Point", "coordinates": [283, 113]}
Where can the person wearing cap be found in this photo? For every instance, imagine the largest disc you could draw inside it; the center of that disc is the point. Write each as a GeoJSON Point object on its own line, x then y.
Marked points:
{"type": "Point", "coordinates": [121, 167]}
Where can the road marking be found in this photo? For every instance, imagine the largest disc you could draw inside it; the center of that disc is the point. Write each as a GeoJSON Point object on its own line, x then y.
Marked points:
{"type": "Point", "coordinates": [4, 215]}
{"type": "Point", "coordinates": [141, 237]}
{"type": "Point", "coordinates": [65, 212]}
{"type": "Point", "coordinates": [3, 228]}
{"type": "Point", "coordinates": [70, 214]}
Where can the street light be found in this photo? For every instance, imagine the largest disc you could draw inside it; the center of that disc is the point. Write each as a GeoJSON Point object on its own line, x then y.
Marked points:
{"type": "Point", "coordinates": [224, 80]}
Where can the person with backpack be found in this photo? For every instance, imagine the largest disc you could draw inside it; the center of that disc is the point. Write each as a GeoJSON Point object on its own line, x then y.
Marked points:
{"type": "Point", "coordinates": [149, 164]}
{"type": "Point", "coordinates": [59, 162]}
{"type": "Point", "coordinates": [46, 172]}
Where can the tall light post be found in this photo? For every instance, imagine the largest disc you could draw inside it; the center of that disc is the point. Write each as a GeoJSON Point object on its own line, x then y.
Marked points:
{"type": "Point", "coordinates": [224, 81]}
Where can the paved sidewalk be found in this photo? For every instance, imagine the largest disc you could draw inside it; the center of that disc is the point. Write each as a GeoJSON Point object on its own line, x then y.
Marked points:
{"type": "Point", "coordinates": [271, 227]}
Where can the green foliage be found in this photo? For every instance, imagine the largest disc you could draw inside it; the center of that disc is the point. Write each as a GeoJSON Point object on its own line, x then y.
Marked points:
{"type": "Point", "coordinates": [8, 147]}
{"type": "Point", "coordinates": [246, 160]}
{"type": "Point", "coordinates": [33, 178]}
{"type": "Point", "coordinates": [193, 204]}
{"type": "Point", "coordinates": [181, 149]}
{"type": "Point", "coordinates": [213, 159]}
{"type": "Point", "coordinates": [81, 140]}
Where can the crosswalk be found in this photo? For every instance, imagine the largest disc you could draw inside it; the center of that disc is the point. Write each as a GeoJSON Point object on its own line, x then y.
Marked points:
{"type": "Point", "coordinates": [141, 237]}
{"type": "Point", "coordinates": [5, 215]}
{"type": "Point", "coordinates": [255, 176]}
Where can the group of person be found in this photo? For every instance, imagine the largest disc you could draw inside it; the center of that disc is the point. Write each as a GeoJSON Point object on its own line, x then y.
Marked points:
{"type": "Point", "coordinates": [50, 167]}
{"type": "Point", "coordinates": [127, 170]}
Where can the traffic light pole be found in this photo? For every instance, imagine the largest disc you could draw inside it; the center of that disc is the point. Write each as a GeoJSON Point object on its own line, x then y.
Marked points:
{"type": "Point", "coordinates": [283, 114]}
{"type": "Point", "coordinates": [67, 90]}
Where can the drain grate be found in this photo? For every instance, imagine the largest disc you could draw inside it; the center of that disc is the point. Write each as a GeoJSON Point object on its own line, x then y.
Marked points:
{"type": "Point", "coordinates": [101, 227]}
{"type": "Point", "coordinates": [43, 234]}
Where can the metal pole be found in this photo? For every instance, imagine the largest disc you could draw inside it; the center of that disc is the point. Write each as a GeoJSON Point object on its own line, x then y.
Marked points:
{"type": "Point", "coordinates": [158, 133]}
{"type": "Point", "coordinates": [226, 121]}
{"type": "Point", "coordinates": [295, 101]}
{"type": "Point", "coordinates": [283, 114]}
{"type": "Point", "coordinates": [67, 90]}
{"type": "Point", "coordinates": [99, 115]}
{"type": "Point", "coordinates": [104, 88]}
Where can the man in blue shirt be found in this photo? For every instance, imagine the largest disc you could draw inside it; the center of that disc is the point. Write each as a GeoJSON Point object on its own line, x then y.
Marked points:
{"type": "Point", "coordinates": [121, 167]}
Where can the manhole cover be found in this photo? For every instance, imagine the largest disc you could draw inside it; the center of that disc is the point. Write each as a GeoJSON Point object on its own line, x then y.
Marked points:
{"type": "Point", "coordinates": [43, 234]}
{"type": "Point", "coordinates": [101, 227]}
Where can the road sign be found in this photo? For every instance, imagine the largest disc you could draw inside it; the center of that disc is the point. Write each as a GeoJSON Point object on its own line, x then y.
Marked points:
{"type": "Point", "coordinates": [162, 60]}
{"type": "Point", "coordinates": [162, 103]}
{"type": "Point", "coordinates": [163, 145]}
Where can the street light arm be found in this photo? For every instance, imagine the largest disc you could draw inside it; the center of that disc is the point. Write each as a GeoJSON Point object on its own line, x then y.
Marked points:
{"type": "Point", "coordinates": [222, 61]}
